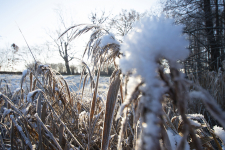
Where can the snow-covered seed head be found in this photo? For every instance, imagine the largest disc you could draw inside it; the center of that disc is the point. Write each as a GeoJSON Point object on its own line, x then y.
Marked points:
{"type": "Point", "coordinates": [152, 39]}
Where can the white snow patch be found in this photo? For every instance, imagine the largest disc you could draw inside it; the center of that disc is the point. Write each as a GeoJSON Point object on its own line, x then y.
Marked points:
{"type": "Point", "coordinates": [108, 39]}
{"type": "Point", "coordinates": [17, 90]}
{"type": "Point", "coordinates": [194, 123]}
{"type": "Point", "coordinates": [60, 102]}
{"type": "Point", "coordinates": [175, 140]}
{"type": "Point", "coordinates": [195, 116]}
{"type": "Point", "coordinates": [19, 128]}
{"type": "Point", "coordinates": [30, 94]}
{"type": "Point", "coordinates": [6, 111]}
{"type": "Point", "coordinates": [25, 72]}
{"type": "Point", "coordinates": [220, 133]}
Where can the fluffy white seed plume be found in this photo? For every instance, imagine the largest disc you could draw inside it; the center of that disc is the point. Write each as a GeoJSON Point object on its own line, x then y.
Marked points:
{"type": "Point", "coordinates": [152, 39]}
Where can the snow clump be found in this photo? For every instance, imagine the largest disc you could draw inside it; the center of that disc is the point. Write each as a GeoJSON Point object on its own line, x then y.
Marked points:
{"type": "Point", "coordinates": [108, 39]}
{"type": "Point", "coordinates": [220, 133]}
{"type": "Point", "coordinates": [151, 39]}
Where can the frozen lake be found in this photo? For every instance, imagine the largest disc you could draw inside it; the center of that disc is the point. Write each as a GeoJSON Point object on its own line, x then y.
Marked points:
{"type": "Point", "coordinates": [73, 81]}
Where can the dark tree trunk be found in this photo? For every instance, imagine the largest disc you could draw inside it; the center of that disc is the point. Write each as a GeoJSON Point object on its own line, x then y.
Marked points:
{"type": "Point", "coordinates": [214, 51]}
{"type": "Point", "coordinates": [66, 60]}
{"type": "Point", "coordinates": [218, 34]}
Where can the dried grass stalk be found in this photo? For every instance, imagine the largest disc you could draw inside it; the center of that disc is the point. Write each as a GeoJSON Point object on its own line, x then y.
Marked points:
{"type": "Point", "coordinates": [109, 111]}
{"type": "Point", "coordinates": [49, 133]}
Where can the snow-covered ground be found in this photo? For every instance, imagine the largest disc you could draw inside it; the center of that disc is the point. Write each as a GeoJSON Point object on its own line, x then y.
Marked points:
{"type": "Point", "coordinates": [73, 82]}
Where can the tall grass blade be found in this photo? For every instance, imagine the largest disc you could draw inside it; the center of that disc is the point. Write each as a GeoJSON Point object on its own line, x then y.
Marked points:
{"type": "Point", "coordinates": [84, 82]}
{"type": "Point", "coordinates": [44, 112]}
{"type": "Point", "coordinates": [12, 134]}
{"type": "Point", "coordinates": [31, 81]}
{"type": "Point", "coordinates": [34, 84]}
{"type": "Point", "coordinates": [38, 108]}
{"type": "Point", "coordinates": [121, 92]}
{"type": "Point", "coordinates": [93, 109]}
{"type": "Point", "coordinates": [49, 133]}
{"type": "Point", "coordinates": [19, 128]}
{"type": "Point", "coordinates": [27, 44]}
{"type": "Point", "coordinates": [94, 98]}
{"type": "Point", "coordinates": [109, 111]}
{"type": "Point", "coordinates": [61, 131]}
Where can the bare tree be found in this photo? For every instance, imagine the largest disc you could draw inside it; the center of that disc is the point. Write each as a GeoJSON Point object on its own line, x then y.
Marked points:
{"type": "Point", "coordinates": [64, 43]}
{"type": "Point", "coordinates": [99, 19]}
{"type": "Point", "coordinates": [123, 23]}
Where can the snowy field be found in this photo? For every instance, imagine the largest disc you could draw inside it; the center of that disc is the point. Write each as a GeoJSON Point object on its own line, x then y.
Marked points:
{"type": "Point", "coordinates": [73, 82]}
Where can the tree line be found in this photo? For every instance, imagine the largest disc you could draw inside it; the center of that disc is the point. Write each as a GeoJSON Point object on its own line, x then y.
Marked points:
{"type": "Point", "coordinates": [74, 69]}
{"type": "Point", "coordinates": [204, 24]}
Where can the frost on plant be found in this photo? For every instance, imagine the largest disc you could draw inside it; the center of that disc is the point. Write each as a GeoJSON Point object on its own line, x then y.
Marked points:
{"type": "Point", "coordinates": [108, 39]}
{"type": "Point", "coordinates": [152, 40]}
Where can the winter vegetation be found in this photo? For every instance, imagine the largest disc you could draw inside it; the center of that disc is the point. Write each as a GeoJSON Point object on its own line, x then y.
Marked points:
{"type": "Point", "coordinates": [166, 90]}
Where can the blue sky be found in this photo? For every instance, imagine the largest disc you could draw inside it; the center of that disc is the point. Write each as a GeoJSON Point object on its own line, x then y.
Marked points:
{"type": "Point", "coordinates": [35, 16]}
